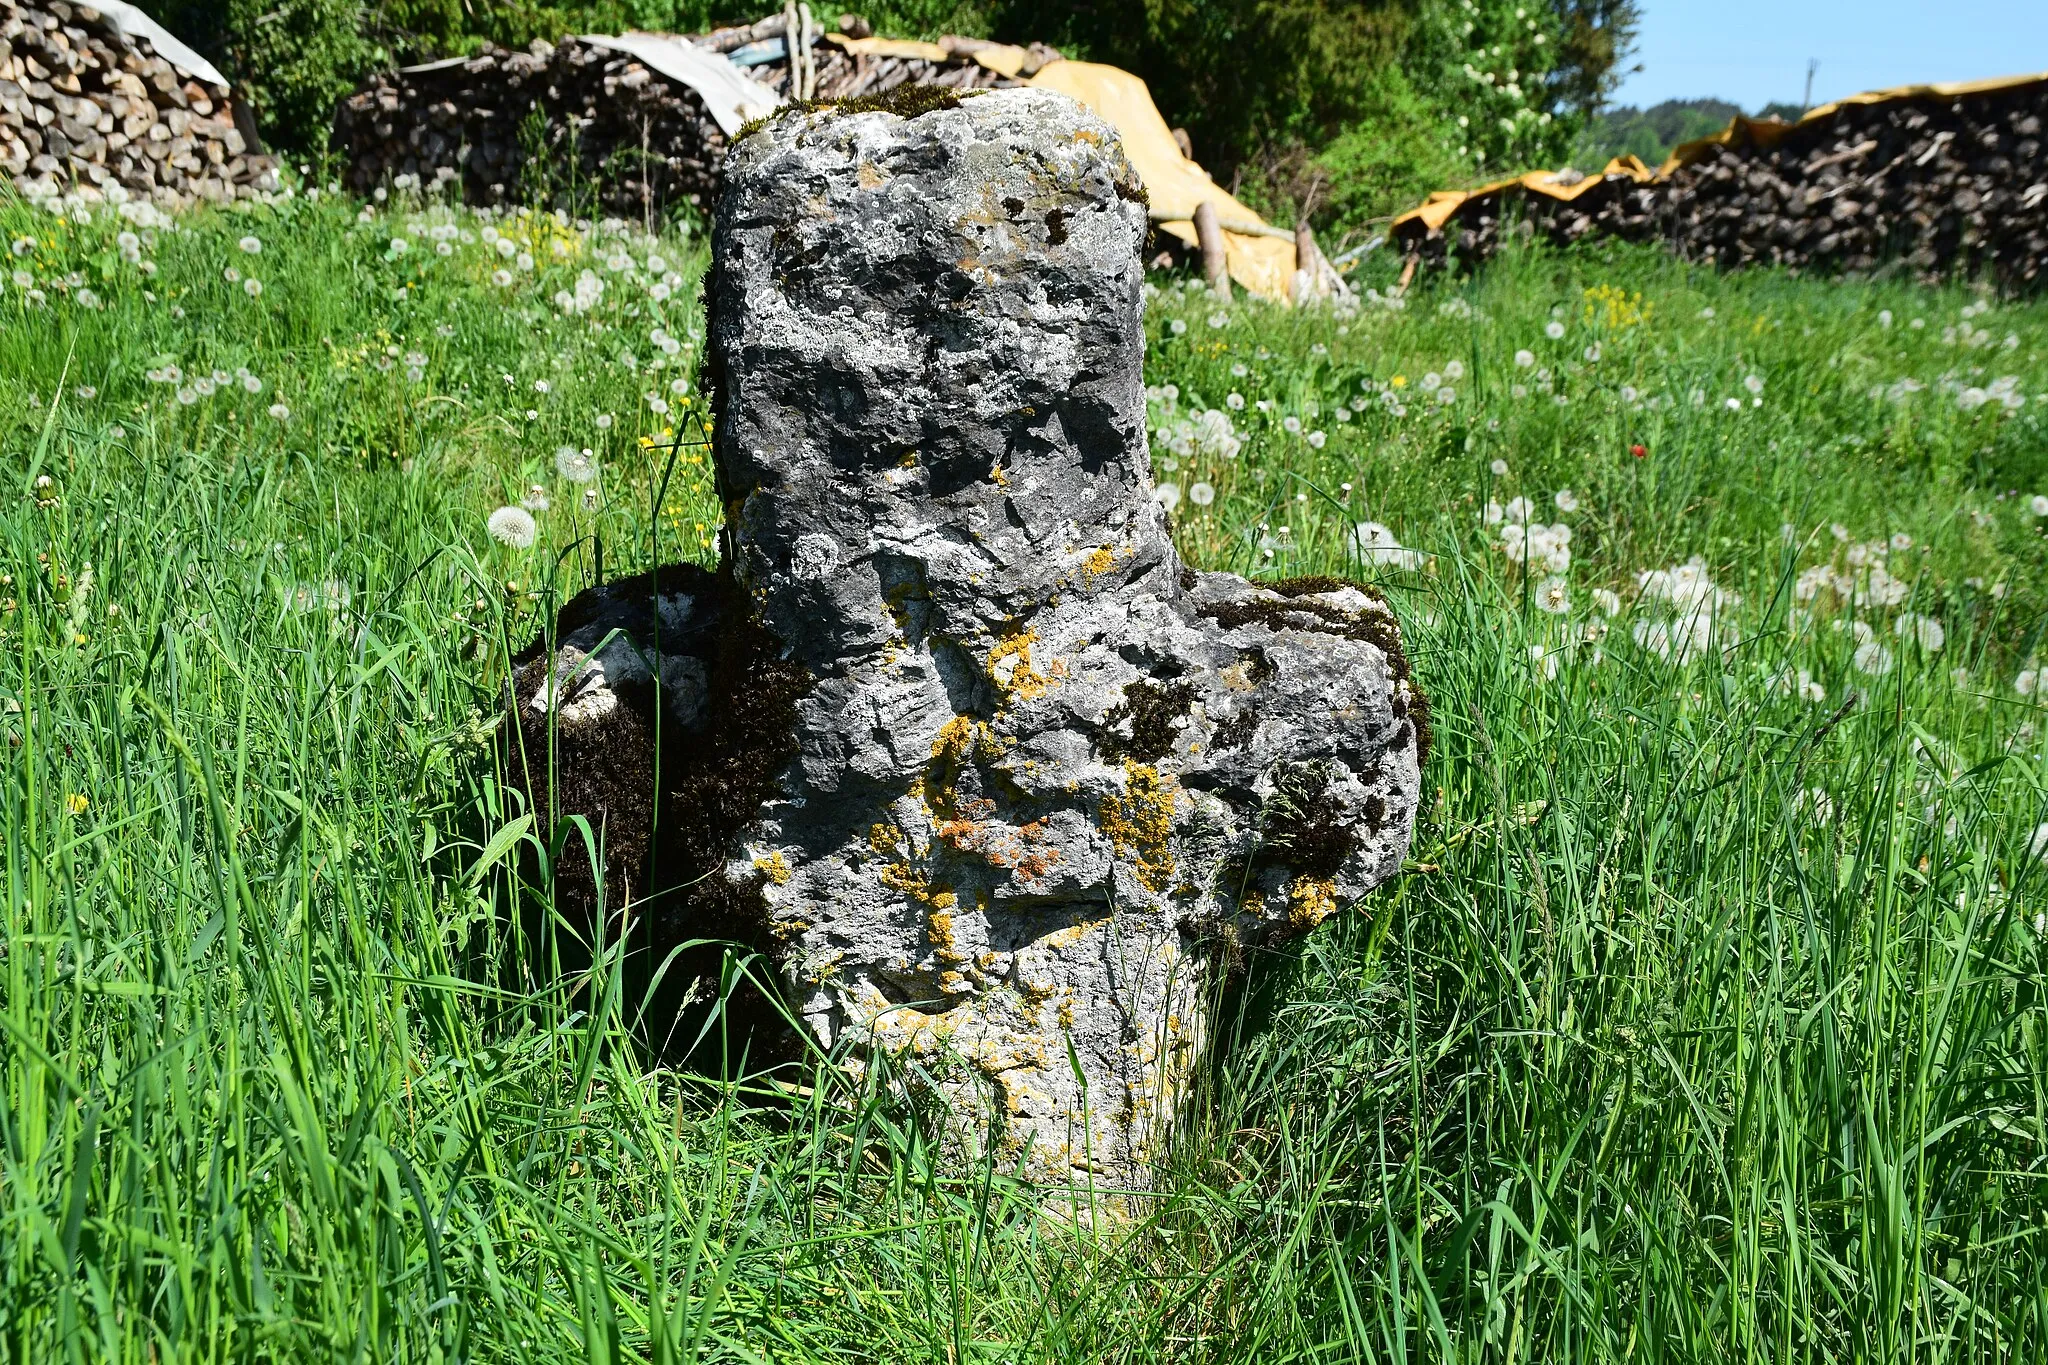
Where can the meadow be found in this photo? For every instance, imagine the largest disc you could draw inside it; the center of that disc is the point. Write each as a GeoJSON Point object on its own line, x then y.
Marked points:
{"type": "Point", "coordinates": [1706, 1022]}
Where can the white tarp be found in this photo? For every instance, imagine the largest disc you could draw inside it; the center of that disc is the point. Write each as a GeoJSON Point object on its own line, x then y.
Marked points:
{"type": "Point", "coordinates": [735, 99]}
{"type": "Point", "coordinates": [135, 24]}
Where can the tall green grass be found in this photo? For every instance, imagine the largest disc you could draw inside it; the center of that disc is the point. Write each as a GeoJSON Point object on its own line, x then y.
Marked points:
{"type": "Point", "coordinates": [1706, 1021]}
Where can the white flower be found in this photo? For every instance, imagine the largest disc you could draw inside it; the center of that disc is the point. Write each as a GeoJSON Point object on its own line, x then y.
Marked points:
{"type": "Point", "coordinates": [1566, 500]}
{"type": "Point", "coordinates": [280, 412]}
{"type": "Point", "coordinates": [1925, 630]}
{"type": "Point", "coordinates": [513, 526]}
{"type": "Point", "coordinates": [2028, 682]}
{"type": "Point", "coordinates": [1544, 660]}
{"type": "Point", "coordinates": [2038, 504]}
{"type": "Point", "coordinates": [1554, 595]}
{"type": "Point", "coordinates": [1177, 327]}
{"type": "Point", "coordinates": [604, 421]}
{"type": "Point", "coordinates": [231, 275]}
{"type": "Point", "coordinates": [1291, 424]}
{"type": "Point", "coordinates": [575, 466]}
{"type": "Point", "coordinates": [1219, 319]}
{"type": "Point", "coordinates": [540, 386]}
{"type": "Point", "coordinates": [1872, 658]}
{"type": "Point", "coordinates": [1593, 354]}
{"type": "Point", "coordinates": [1554, 330]}
{"type": "Point", "coordinates": [1316, 438]}
{"type": "Point", "coordinates": [1707, 313]}
{"type": "Point", "coordinates": [1375, 543]}
{"type": "Point", "coordinates": [536, 499]}
{"type": "Point", "coordinates": [251, 384]}
{"type": "Point", "coordinates": [399, 246]}
{"type": "Point", "coordinates": [1884, 317]}
{"type": "Point", "coordinates": [525, 262]}
{"type": "Point", "coordinates": [252, 287]}
{"type": "Point", "coordinates": [1499, 469]}
{"type": "Point", "coordinates": [1493, 514]}
{"type": "Point", "coordinates": [1734, 405]}
{"type": "Point", "coordinates": [1432, 380]}
{"type": "Point", "coordinates": [1628, 393]}
{"type": "Point", "coordinates": [1447, 395]}
{"type": "Point", "coordinates": [1201, 494]}
{"type": "Point", "coordinates": [1607, 601]}
{"type": "Point", "coordinates": [250, 245]}
{"type": "Point", "coordinates": [1454, 370]}
{"type": "Point", "coordinates": [1167, 495]}
{"type": "Point", "coordinates": [1754, 383]}
{"type": "Point", "coordinates": [1520, 509]}
{"type": "Point", "coordinates": [1235, 402]}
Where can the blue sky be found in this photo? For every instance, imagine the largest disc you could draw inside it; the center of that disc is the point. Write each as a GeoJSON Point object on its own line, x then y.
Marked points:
{"type": "Point", "coordinates": [1753, 52]}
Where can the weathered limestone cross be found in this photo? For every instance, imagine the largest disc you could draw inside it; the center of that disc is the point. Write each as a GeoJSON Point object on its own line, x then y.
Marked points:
{"type": "Point", "coordinates": [953, 731]}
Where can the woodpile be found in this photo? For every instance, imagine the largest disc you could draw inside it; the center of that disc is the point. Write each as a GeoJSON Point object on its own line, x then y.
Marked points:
{"type": "Point", "coordinates": [85, 106]}
{"type": "Point", "coordinates": [577, 116]}
{"type": "Point", "coordinates": [1932, 186]}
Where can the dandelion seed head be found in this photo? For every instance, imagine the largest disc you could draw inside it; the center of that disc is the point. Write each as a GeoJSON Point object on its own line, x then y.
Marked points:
{"type": "Point", "coordinates": [513, 527]}
{"type": "Point", "coordinates": [575, 466]}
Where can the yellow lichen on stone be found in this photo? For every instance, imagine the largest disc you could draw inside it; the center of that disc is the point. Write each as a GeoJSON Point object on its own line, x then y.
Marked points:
{"type": "Point", "coordinates": [1139, 822]}
{"type": "Point", "coordinates": [774, 867]}
{"type": "Point", "coordinates": [1010, 667]}
{"type": "Point", "coordinates": [1310, 901]}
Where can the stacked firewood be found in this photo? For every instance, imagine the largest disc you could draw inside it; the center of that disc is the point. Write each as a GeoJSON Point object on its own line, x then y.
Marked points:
{"type": "Point", "coordinates": [84, 106]}
{"type": "Point", "coordinates": [562, 121]}
{"type": "Point", "coordinates": [1932, 186]}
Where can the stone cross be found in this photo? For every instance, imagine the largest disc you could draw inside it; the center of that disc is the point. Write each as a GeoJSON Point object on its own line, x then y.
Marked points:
{"type": "Point", "coordinates": [953, 732]}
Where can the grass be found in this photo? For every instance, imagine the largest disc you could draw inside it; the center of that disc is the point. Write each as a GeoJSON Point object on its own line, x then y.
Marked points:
{"type": "Point", "coordinates": [1706, 1022]}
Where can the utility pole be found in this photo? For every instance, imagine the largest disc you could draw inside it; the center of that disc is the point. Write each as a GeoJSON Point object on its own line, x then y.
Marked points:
{"type": "Point", "coordinates": [1812, 65]}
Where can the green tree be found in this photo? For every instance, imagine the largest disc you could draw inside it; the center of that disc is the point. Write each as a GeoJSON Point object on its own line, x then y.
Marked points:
{"type": "Point", "coordinates": [291, 59]}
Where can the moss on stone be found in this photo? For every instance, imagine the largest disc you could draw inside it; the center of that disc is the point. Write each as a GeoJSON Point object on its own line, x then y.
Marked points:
{"type": "Point", "coordinates": [905, 101]}
{"type": "Point", "coordinates": [1145, 724]}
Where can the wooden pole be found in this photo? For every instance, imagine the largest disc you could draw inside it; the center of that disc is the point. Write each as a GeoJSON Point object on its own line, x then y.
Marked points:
{"type": "Point", "coordinates": [1215, 264]}
{"type": "Point", "coordinates": [1307, 257]}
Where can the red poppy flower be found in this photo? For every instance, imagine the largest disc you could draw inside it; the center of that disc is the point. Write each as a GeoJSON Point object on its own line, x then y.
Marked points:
{"type": "Point", "coordinates": [1638, 451]}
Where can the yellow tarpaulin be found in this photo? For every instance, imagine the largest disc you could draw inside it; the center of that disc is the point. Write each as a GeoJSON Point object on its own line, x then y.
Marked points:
{"type": "Point", "coordinates": [1436, 210]}
{"type": "Point", "coordinates": [891, 47]}
{"type": "Point", "coordinates": [1261, 257]}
